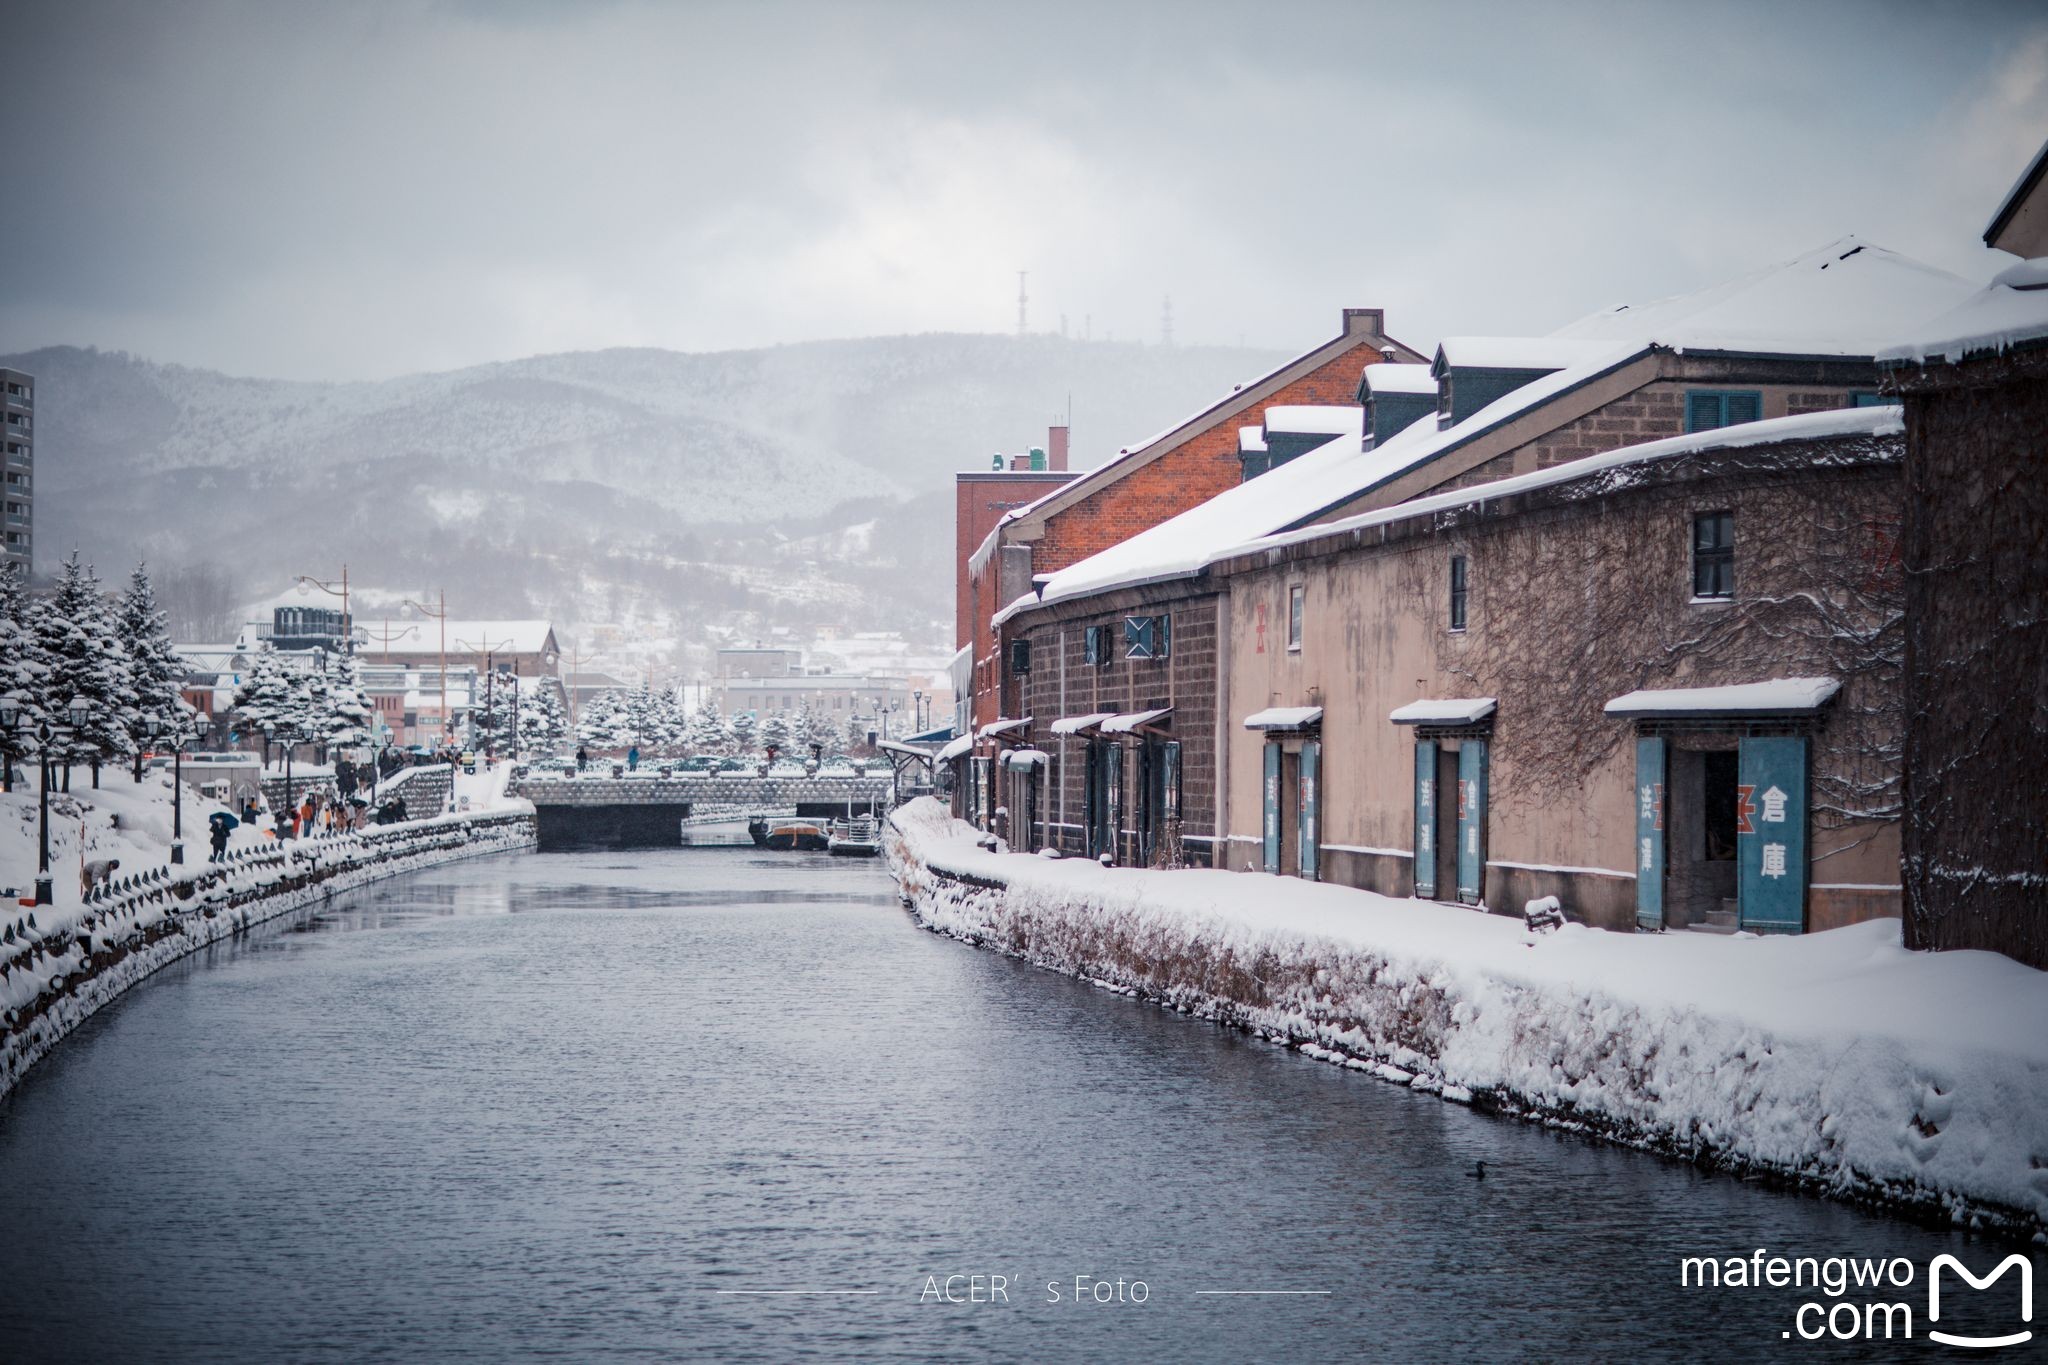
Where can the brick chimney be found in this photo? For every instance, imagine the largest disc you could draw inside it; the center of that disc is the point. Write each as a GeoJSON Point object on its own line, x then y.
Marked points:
{"type": "Point", "coordinates": [1056, 447]}
{"type": "Point", "coordinates": [1365, 322]}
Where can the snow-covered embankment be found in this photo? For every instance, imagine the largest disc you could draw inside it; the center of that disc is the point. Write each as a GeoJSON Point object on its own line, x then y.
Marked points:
{"type": "Point", "coordinates": [55, 975]}
{"type": "Point", "coordinates": [1838, 1060]}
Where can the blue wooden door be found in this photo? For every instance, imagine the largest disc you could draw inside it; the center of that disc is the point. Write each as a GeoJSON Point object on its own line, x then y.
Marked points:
{"type": "Point", "coordinates": [1425, 819]}
{"type": "Point", "coordinates": [1471, 820]}
{"type": "Point", "coordinates": [1272, 797]}
{"type": "Point", "coordinates": [1305, 825]}
{"type": "Point", "coordinates": [1650, 857]}
{"type": "Point", "coordinates": [1770, 834]}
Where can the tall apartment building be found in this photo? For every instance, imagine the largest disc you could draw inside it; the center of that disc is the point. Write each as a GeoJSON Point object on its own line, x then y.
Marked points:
{"type": "Point", "coordinates": [17, 467]}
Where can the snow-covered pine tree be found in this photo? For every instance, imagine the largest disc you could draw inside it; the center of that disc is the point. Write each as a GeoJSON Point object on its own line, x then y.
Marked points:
{"type": "Point", "coordinates": [641, 716]}
{"type": "Point", "coordinates": [492, 718]}
{"type": "Point", "coordinates": [742, 729]}
{"type": "Point", "coordinates": [543, 723]}
{"type": "Point", "coordinates": [601, 722]}
{"type": "Point", "coordinates": [775, 733]}
{"type": "Point", "coordinates": [707, 733]}
{"type": "Point", "coordinates": [340, 715]}
{"type": "Point", "coordinates": [82, 647]}
{"type": "Point", "coordinates": [22, 666]}
{"type": "Point", "coordinates": [156, 674]}
{"type": "Point", "coordinates": [272, 692]}
{"type": "Point", "coordinates": [673, 721]}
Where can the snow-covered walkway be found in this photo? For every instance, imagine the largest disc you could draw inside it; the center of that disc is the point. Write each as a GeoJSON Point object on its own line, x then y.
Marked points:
{"type": "Point", "coordinates": [1837, 1059]}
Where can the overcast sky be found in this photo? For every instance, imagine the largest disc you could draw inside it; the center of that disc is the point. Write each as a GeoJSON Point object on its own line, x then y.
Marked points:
{"type": "Point", "coordinates": [365, 189]}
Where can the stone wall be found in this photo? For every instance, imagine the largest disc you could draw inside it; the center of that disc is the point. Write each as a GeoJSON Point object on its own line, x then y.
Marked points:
{"type": "Point", "coordinates": [56, 978]}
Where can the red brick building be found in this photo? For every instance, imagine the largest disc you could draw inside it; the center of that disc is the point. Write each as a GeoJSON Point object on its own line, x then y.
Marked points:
{"type": "Point", "coordinates": [1147, 484]}
{"type": "Point", "coordinates": [981, 498]}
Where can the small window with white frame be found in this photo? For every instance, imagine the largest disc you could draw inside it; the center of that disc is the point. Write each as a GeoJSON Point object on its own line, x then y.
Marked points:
{"type": "Point", "coordinates": [1295, 594]}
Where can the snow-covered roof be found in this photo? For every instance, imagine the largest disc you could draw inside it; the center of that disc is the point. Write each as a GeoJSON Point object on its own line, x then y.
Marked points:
{"type": "Point", "coordinates": [1390, 377]}
{"type": "Point", "coordinates": [1848, 298]}
{"type": "Point", "coordinates": [1004, 727]}
{"type": "Point", "coordinates": [1251, 439]}
{"type": "Point", "coordinates": [1512, 353]}
{"type": "Point", "coordinates": [1284, 718]}
{"type": "Point", "coordinates": [1883, 420]}
{"type": "Point", "coordinates": [1180, 544]}
{"type": "Point", "coordinates": [2011, 311]}
{"type": "Point", "coordinates": [1779, 696]}
{"type": "Point", "coordinates": [1316, 420]}
{"type": "Point", "coordinates": [1239, 398]}
{"type": "Point", "coordinates": [1131, 720]}
{"type": "Point", "coordinates": [466, 637]}
{"type": "Point", "coordinates": [1443, 711]}
{"type": "Point", "coordinates": [2015, 197]}
{"type": "Point", "coordinates": [955, 749]}
{"type": "Point", "coordinates": [1074, 725]}
{"type": "Point", "coordinates": [1845, 298]}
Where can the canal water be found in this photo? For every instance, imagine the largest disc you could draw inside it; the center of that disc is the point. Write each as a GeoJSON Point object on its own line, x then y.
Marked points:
{"type": "Point", "coordinates": [617, 1106]}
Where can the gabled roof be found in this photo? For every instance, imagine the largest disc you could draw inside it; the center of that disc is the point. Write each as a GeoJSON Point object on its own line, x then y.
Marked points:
{"type": "Point", "coordinates": [2016, 197]}
{"type": "Point", "coordinates": [1509, 353]}
{"type": "Point", "coordinates": [2009, 314]}
{"type": "Point", "coordinates": [1384, 378]}
{"type": "Point", "coordinates": [1188, 544]}
{"type": "Point", "coordinates": [467, 637]}
{"type": "Point", "coordinates": [1256, 507]}
{"type": "Point", "coordinates": [1359, 333]}
{"type": "Point", "coordinates": [1848, 298]}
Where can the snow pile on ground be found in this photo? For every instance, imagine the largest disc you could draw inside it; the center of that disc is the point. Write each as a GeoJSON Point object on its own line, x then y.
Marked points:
{"type": "Point", "coordinates": [1838, 1059]}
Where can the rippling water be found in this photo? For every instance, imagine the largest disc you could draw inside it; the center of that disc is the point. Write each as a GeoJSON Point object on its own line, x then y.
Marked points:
{"type": "Point", "coordinates": [553, 1105]}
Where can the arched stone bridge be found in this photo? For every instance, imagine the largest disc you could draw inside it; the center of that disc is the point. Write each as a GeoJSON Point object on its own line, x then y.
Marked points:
{"type": "Point", "coordinates": [645, 810]}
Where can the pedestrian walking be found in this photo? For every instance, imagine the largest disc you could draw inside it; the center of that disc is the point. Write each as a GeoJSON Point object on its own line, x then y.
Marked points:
{"type": "Point", "coordinates": [217, 826]}
{"type": "Point", "coordinates": [582, 758]}
{"type": "Point", "coordinates": [633, 759]}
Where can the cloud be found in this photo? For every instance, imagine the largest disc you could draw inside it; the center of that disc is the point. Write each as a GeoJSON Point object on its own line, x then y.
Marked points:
{"type": "Point", "coordinates": [353, 191]}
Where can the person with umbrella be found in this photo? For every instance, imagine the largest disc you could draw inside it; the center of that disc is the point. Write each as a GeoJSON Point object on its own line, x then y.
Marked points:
{"type": "Point", "coordinates": [217, 826]}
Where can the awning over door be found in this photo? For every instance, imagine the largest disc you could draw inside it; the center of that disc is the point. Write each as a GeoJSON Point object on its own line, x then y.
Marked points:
{"type": "Point", "coordinates": [1739, 701]}
{"type": "Point", "coordinates": [1443, 711]}
{"type": "Point", "coordinates": [997, 728]}
{"type": "Point", "coordinates": [955, 749]}
{"type": "Point", "coordinates": [1074, 725]}
{"type": "Point", "coordinates": [1132, 720]}
{"type": "Point", "coordinates": [1285, 718]}
{"type": "Point", "coordinates": [1024, 759]}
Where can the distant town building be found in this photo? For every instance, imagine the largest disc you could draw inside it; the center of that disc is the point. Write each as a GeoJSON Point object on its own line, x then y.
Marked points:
{"type": "Point", "coordinates": [529, 647]}
{"type": "Point", "coordinates": [18, 461]}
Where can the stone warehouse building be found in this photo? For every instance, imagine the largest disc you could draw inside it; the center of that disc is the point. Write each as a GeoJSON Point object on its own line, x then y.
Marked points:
{"type": "Point", "coordinates": [1975, 544]}
{"type": "Point", "coordinates": [1272, 739]}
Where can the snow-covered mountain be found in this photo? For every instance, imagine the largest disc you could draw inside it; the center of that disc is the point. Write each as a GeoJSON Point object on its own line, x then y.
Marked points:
{"type": "Point", "coordinates": [791, 485]}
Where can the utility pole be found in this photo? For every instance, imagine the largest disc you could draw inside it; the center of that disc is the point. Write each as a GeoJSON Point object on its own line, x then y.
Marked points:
{"type": "Point", "coordinates": [489, 649]}
{"type": "Point", "coordinates": [1022, 300]}
{"type": "Point", "coordinates": [440, 615]}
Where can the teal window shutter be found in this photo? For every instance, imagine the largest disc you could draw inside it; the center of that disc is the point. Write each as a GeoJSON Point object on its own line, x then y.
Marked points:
{"type": "Point", "coordinates": [1702, 411]}
{"type": "Point", "coordinates": [1272, 808]}
{"type": "Point", "coordinates": [1649, 859]}
{"type": "Point", "coordinates": [1425, 819]}
{"type": "Point", "coordinates": [1305, 821]}
{"type": "Point", "coordinates": [1710, 409]}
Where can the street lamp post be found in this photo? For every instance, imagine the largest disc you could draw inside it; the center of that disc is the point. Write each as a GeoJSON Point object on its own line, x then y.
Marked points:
{"type": "Point", "coordinates": [348, 622]}
{"type": "Point", "coordinates": [439, 613]}
{"type": "Point", "coordinates": [183, 732]}
{"type": "Point", "coordinates": [50, 736]}
{"type": "Point", "coordinates": [489, 649]}
{"type": "Point", "coordinates": [80, 711]}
